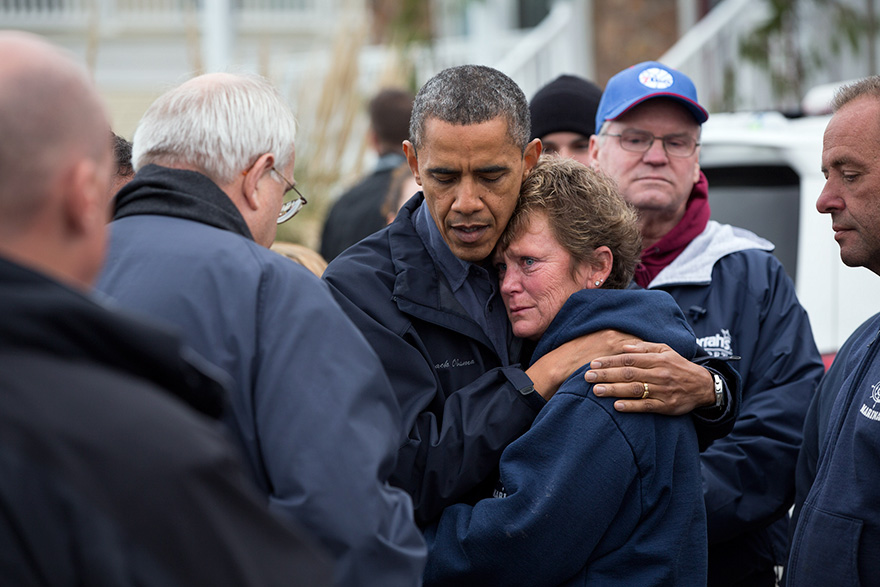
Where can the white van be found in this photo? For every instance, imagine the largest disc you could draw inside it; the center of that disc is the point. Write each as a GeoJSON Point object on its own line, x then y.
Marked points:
{"type": "Point", "coordinates": [765, 175]}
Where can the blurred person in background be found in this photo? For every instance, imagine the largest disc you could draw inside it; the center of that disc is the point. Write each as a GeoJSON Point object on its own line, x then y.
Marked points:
{"type": "Point", "coordinates": [403, 187]}
{"type": "Point", "coordinates": [358, 212]}
{"type": "Point", "coordinates": [123, 171]}
{"type": "Point", "coordinates": [308, 258]}
{"type": "Point", "coordinates": [564, 116]}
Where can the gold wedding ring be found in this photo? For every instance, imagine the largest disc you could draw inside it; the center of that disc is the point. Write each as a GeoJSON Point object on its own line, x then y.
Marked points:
{"type": "Point", "coordinates": [645, 395]}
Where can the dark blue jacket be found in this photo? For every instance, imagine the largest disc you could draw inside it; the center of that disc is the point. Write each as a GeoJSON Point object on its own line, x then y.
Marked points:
{"type": "Point", "coordinates": [113, 467]}
{"type": "Point", "coordinates": [740, 302]}
{"type": "Point", "coordinates": [462, 404]}
{"type": "Point", "coordinates": [818, 415]}
{"type": "Point", "coordinates": [837, 537]}
{"type": "Point", "coordinates": [588, 495]}
{"type": "Point", "coordinates": [311, 406]}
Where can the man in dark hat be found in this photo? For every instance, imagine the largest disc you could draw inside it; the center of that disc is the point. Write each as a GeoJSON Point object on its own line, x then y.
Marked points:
{"type": "Point", "coordinates": [563, 116]}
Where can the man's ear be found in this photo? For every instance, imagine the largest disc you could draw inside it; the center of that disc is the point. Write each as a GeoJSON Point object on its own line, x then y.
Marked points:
{"type": "Point", "coordinates": [531, 155]}
{"type": "Point", "coordinates": [412, 160]}
{"type": "Point", "coordinates": [593, 151]}
{"type": "Point", "coordinates": [84, 192]}
{"type": "Point", "coordinates": [252, 177]}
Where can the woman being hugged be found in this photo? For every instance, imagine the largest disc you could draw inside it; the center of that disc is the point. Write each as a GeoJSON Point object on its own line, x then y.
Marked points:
{"type": "Point", "coordinates": [587, 495]}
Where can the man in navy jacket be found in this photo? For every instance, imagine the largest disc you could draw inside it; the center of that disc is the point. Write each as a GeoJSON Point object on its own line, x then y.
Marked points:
{"type": "Point", "coordinates": [421, 294]}
{"type": "Point", "coordinates": [836, 539]}
{"type": "Point", "coordinates": [311, 406]}
{"type": "Point", "coordinates": [737, 298]}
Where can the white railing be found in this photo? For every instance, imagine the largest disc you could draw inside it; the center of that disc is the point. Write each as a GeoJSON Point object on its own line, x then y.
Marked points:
{"type": "Point", "coordinates": [559, 44]}
{"type": "Point", "coordinates": [165, 15]}
{"type": "Point", "coordinates": [709, 53]}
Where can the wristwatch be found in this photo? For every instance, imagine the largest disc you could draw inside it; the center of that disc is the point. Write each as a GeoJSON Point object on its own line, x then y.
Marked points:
{"type": "Point", "coordinates": [719, 390]}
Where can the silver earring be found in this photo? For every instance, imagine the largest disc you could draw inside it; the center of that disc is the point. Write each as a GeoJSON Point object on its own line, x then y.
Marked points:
{"type": "Point", "coordinates": [598, 282]}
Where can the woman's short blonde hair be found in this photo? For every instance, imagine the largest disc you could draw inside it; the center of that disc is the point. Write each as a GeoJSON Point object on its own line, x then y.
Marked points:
{"type": "Point", "coordinates": [308, 258]}
{"type": "Point", "coordinates": [584, 210]}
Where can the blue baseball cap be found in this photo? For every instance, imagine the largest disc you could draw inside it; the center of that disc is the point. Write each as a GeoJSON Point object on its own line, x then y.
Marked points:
{"type": "Point", "coordinates": [644, 81]}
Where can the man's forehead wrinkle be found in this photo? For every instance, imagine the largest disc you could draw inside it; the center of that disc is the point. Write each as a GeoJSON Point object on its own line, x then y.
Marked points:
{"type": "Point", "coordinates": [837, 160]}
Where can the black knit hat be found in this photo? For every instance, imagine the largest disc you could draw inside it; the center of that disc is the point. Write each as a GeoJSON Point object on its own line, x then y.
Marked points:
{"type": "Point", "coordinates": [567, 104]}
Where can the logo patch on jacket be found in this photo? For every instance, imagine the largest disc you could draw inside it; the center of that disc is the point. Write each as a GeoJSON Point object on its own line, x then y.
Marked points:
{"type": "Point", "coordinates": [872, 412]}
{"type": "Point", "coordinates": [718, 345]}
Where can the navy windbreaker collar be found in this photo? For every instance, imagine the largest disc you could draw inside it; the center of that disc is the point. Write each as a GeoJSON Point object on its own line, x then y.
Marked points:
{"type": "Point", "coordinates": [182, 194]}
{"type": "Point", "coordinates": [419, 288]}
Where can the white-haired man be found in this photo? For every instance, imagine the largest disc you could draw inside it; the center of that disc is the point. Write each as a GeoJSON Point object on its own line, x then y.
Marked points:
{"type": "Point", "coordinates": [112, 467]}
{"type": "Point", "coordinates": [311, 406]}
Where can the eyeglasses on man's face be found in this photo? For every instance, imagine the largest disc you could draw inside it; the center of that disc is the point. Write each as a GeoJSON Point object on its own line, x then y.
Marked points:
{"type": "Point", "coordinates": [639, 141]}
{"type": "Point", "coordinates": [289, 208]}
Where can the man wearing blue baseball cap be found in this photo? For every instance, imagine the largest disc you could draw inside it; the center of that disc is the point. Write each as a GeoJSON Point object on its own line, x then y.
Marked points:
{"type": "Point", "coordinates": [738, 300]}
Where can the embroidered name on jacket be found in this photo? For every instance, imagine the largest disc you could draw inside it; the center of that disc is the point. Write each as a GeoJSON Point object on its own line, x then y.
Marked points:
{"type": "Point", "coordinates": [717, 345]}
{"type": "Point", "coordinates": [452, 363]}
{"type": "Point", "coordinates": [871, 412]}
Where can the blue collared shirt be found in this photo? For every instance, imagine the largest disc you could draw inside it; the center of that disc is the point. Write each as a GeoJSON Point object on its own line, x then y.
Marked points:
{"type": "Point", "coordinates": [475, 288]}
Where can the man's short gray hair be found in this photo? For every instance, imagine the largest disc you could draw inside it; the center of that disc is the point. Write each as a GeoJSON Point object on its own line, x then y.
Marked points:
{"type": "Point", "coordinates": [870, 86]}
{"type": "Point", "coordinates": [217, 123]}
{"type": "Point", "coordinates": [471, 94]}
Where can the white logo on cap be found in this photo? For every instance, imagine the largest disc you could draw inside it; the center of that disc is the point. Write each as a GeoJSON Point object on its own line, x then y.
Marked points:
{"type": "Point", "coordinates": [655, 78]}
